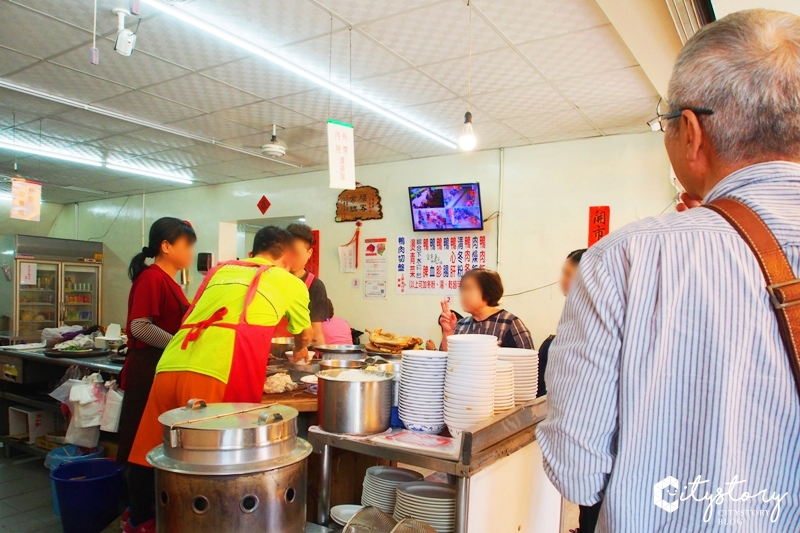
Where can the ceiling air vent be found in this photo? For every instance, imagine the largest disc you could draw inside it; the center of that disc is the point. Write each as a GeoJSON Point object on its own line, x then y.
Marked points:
{"type": "Point", "coordinates": [690, 15]}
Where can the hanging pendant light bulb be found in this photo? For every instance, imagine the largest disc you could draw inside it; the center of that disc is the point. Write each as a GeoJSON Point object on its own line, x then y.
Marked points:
{"type": "Point", "coordinates": [467, 140]}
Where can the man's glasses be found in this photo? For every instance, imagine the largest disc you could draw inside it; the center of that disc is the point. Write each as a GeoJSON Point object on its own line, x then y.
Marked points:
{"type": "Point", "coordinates": [660, 122]}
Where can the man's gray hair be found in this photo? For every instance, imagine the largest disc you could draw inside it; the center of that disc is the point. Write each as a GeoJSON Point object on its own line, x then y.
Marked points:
{"type": "Point", "coordinates": [746, 68]}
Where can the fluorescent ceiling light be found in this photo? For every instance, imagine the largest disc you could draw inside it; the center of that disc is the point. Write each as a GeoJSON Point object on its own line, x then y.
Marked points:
{"type": "Point", "coordinates": [50, 153]}
{"type": "Point", "coordinates": [179, 178]}
{"type": "Point", "coordinates": [291, 67]}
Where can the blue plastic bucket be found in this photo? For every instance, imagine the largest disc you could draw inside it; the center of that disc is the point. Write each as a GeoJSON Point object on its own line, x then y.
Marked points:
{"type": "Point", "coordinates": [88, 494]}
{"type": "Point", "coordinates": [66, 454]}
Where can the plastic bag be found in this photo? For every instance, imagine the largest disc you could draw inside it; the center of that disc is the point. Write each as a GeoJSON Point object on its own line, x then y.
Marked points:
{"type": "Point", "coordinates": [86, 437]}
{"type": "Point", "coordinates": [52, 336]}
{"type": "Point", "coordinates": [113, 408]}
{"type": "Point", "coordinates": [87, 401]}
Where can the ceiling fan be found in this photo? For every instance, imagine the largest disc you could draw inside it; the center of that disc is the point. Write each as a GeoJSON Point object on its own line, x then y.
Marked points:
{"type": "Point", "coordinates": [275, 149]}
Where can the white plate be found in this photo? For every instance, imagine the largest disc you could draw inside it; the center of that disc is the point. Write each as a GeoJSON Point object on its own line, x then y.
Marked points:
{"type": "Point", "coordinates": [342, 514]}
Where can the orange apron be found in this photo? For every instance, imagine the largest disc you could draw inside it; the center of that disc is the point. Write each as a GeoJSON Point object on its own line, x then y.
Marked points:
{"type": "Point", "coordinates": [251, 346]}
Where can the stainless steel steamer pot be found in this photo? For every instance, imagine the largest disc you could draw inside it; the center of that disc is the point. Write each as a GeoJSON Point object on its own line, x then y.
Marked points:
{"type": "Point", "coordinates": [230, 467]}
{"type": "Point", "coordinates": [353, 407]}
{"type": "Point", "coordinates": [340, 351]}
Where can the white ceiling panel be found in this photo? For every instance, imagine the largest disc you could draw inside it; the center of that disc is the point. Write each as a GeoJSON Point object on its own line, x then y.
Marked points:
{"type": "Point", "coordinates": [262, 115]}
{"type": "Point", "coordinates": [70, 83]}
{"type": "Point", "coordinates": [590, 51]}
{"type": "Point", "coordinates": [491, 71]}
{"type": "Point", "coordinates": [211, 178]}
{"type": "Point", "coordinates": [559, 137]}
{"type": "Point", "coordinates": [124, 147]}
{"type": "Point", "coordinates": [138, 70]}
{"type": "Point", "coordinates": [260, 165]}
{"type": "Point", "coordinates": [370, 151]}
{"type": "Point", "coordinates": [310, 157]}
{"type": "Point", "coordinates": [310, 135]}
{"type": "Point", "coordinates": [401, 89]}
{"type": "Point", "coordinates": [220, 154]}
{"type": "Point", "coordinates": [184, 45]}
{"type": "Point", "coordinates": [359, 11]}
{"type": "Point", "coordinates": [623, 114]}
{"type": "Point", "coordinates": [553, 123]}
{"type": "Point", "coordinates": [181, 158]}
{"type": "Point", "coordinates": [214, 127]}
{"type": "Point", "coordinates": [441, 117]}
{"type": "Point", "coordinates": [411, 144]}
{"type": "Point", "coordinates": [63, 130]}
{"type": "Point", "coordinates": [612, 86]}
{"type": "Point", "coordinates": [82, 117]}
{"type": "Point", "coordinates": [267, 23]}
{"type": "Point", "coordinates": [149, 107]}
{"type": "Point", "coordinates": [202, 93]}
{"type": "Point", "coordinates": [12, 117]}
{"type": "Point", "coordinates": [79, 13]}
{"type": "Point", "coordinates": [258, 76]}
{"type": "Point", "coordinates": [11, 61]}
{"type": "Point", "coordinates": [22, 102]}
{"type": "Point", "coordinates": [522, 101]}
{"type": "Point", "coordinates": [167, 139]}
{"type": "Point", "coordinates": [235, 169]}
{"type": "Point", "coordinates": [436, 33]}
{"type": "Point", "coordinates": [526, 20]}
{"type": "Point", "coordinates": [370, 126]}
{"type": "Point", "coordinates": [31, 33]}
{"type": "Point", "coordinates": [368, 57]}
{"type": "Point", "coordinates": [320, 104]}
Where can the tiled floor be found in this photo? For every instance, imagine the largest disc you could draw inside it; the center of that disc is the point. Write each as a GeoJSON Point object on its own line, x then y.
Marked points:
{"type": "Point", "coordinates": [25, 500]}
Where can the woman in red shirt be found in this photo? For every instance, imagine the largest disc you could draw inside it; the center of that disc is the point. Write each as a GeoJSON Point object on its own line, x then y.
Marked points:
{"type": "Point", "coordinates": [156, 305]}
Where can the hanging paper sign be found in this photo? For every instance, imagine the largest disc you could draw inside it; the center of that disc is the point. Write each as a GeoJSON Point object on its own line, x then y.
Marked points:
{"type": "Point", "coordinates": [26, 200]}
{"type": "Point", "coordinates": [599, 222]}
{"type": "Point", "coordinates": [341, 155]}
{"type": "Point", "coordinates": [348, 253]}
{"type": "Point", "coordinates": [435, 265]}
{"type": "Point", "coordinates": [27, 273]}
{"type": "Point", "coordinates": [362, 203]}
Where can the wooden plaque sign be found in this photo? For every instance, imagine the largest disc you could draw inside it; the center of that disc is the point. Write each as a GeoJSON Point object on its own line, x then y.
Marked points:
{"type": "Point", "coordinates": [361, 203]}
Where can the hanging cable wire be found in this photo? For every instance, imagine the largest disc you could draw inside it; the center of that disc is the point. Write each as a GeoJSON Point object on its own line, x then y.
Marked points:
{"type": "Point", "coordinates": [94, 26]}
{"type": "Point", "coordinates": [469, 60]}
{"type": "Point", "coordinates": [330, 65]}
{"type": "Point", "coordinates": [350, 63]}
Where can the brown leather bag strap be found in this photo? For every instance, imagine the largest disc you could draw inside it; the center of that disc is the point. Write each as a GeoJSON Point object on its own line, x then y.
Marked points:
{"type": "Point", "coordinates": [782, 285]}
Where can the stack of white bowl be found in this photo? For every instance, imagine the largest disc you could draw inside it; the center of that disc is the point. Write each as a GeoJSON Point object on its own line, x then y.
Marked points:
{"type": "Point", "coordinates": [470, 381]}
{"type": "Point", "coordinates": [380, 486]}
{"type": "Point", "coordinates": [526, 372]}
{"type": "Point", "coordinates": [421, 403]}
{"type": "Point", "coordinates": [432, 503]}
{"type": "Point", "coordinates": [504, 389]}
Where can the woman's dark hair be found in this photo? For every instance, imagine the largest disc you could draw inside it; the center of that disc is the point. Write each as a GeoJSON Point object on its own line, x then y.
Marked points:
{"type": "Point", "coordinates": [575, 256]}
{"type": "Point", "coordinates": [164, 229]}
{"type": "Point", "coordinates": [302, 232]}
{"type": "Point", "coordinates": [330, 308]}
{"type": "Point", "coordinates": [271, 240]}
{"type": "Point", "coordinates": [489, 282]}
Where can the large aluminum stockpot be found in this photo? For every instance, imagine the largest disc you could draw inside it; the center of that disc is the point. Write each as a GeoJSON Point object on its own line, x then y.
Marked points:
{"type": "Point", "coordinates": [340, 351]}
{"type": "Point", "coordinates": [354, 407]}
{"type": "Point", "coordinates": [230, 467]}
{"type": "Point", "coordinates": [333, 364]}
{"type": "Point", "coordinates": [281, 345]}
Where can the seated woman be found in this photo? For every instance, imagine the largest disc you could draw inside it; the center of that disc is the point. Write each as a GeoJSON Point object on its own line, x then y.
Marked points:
{"type": "Point", "coordinates": [480, 293]}
{"type": "Point", "coordinates": [336, 330]}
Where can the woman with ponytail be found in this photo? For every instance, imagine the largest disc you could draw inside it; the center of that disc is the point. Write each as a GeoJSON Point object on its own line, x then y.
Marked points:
{"type": "Point", "coordinates": [156, 305]}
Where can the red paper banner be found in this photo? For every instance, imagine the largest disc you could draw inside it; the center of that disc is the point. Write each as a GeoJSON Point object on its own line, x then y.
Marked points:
{"type": "Point", "coordinates": [313, 263]}
{"type": "Point", "coordinates": [599, 222]}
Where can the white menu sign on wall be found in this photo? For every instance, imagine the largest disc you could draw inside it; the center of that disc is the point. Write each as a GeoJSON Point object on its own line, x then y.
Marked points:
{"type": "Point", "coordinates": [26, 200]}
{"type": "Point", "coordinates": [435, 264]}
{"type": "Point", "coordinates": [341, 155]}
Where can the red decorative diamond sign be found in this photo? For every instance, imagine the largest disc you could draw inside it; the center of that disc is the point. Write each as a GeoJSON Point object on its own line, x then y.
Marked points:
{"type": "Point", "coordinates": [263, 205]}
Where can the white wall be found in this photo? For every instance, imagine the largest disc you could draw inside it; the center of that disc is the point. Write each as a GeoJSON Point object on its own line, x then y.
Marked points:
{"type": "Point", "coordinates": [725, 7]}
{"type": "Point", "coordinates": [50, 212]}
{"type": "Point", "coordinates": [548, 191]}
{"type": "Point", "coordinates": [293, 196]}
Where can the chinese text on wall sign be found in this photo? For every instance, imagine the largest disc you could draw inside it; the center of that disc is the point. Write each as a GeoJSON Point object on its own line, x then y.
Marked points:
{"type": "Point", "coordinates": [599, 222]}
{"type": "Point", "coordinates": [434, 265]}
{"type": "Point", "coordinates": [362, 203]}
{"type": "Point", "coordinates": [26, 200]}
{"type": "Point", "coordinates": [341, 156]}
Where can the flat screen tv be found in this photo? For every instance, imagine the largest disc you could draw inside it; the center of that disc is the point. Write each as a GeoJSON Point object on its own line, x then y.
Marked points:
{"type": "Point", "coordinates": [446, 207]}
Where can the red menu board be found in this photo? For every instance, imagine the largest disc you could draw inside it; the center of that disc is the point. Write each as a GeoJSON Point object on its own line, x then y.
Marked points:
{"type": "Point", "coordinates": [313, 263]}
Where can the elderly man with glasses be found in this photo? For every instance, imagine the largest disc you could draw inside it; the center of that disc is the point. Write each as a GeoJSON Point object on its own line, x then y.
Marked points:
{"type": "Point", "coordinates": [673, 380]}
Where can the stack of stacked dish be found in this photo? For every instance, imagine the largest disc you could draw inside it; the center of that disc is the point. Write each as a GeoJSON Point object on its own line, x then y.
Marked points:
{"type": "Point", "coordinates": [421, 402]}
{"type": "Point", "coordinates": [470, 381]}
{"type": "Point", "coordinates": [432, 503]}
{"type": "Point", "coordinates": [380, 486]}
{"type": "Point", "coordinates": [526, 372]}
{"type": "Point", "coordinates": [504, 389]}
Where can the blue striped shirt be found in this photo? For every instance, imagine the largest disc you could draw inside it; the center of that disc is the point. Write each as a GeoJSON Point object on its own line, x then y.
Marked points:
{"type": "Point", "coordinates": [668, 365]}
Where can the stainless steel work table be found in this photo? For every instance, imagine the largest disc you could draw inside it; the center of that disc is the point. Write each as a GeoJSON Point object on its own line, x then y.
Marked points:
{"type": "Point", "coordinates": [481, 447]}
{"type": "Point", "coordinates": [100, 364]}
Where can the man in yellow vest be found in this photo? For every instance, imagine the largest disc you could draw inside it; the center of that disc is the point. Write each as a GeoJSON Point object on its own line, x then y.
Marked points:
{"type": "Point", "coordinates": [220, 353]}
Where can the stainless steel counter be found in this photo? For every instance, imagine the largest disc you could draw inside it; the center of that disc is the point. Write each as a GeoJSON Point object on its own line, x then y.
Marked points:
{"type": "Point", "coordinates": [100, 364]}
{"type": "Point", "coordinates": [485, 444]}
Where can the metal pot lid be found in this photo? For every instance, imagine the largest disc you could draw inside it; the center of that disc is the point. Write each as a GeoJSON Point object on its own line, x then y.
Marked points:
{"type": "Point", "coordinates": [339, 348]}
{"type": "Point", "coordinates": [227, 426]}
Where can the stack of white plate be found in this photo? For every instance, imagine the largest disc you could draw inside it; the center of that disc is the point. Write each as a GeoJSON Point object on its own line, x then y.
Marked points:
{"type": "Point", "coordinates": [470, 381]}
{"type": "Point", "coordinates": [380, 486]}
{"type": "Point", "coordinates": [526, 372]}
{"type": "Point", "coordinates": [421, 402]}
{"type": "Point", "coordinates": [432, 503]}
{"type": "Point", "coordinates": [504, 388]}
